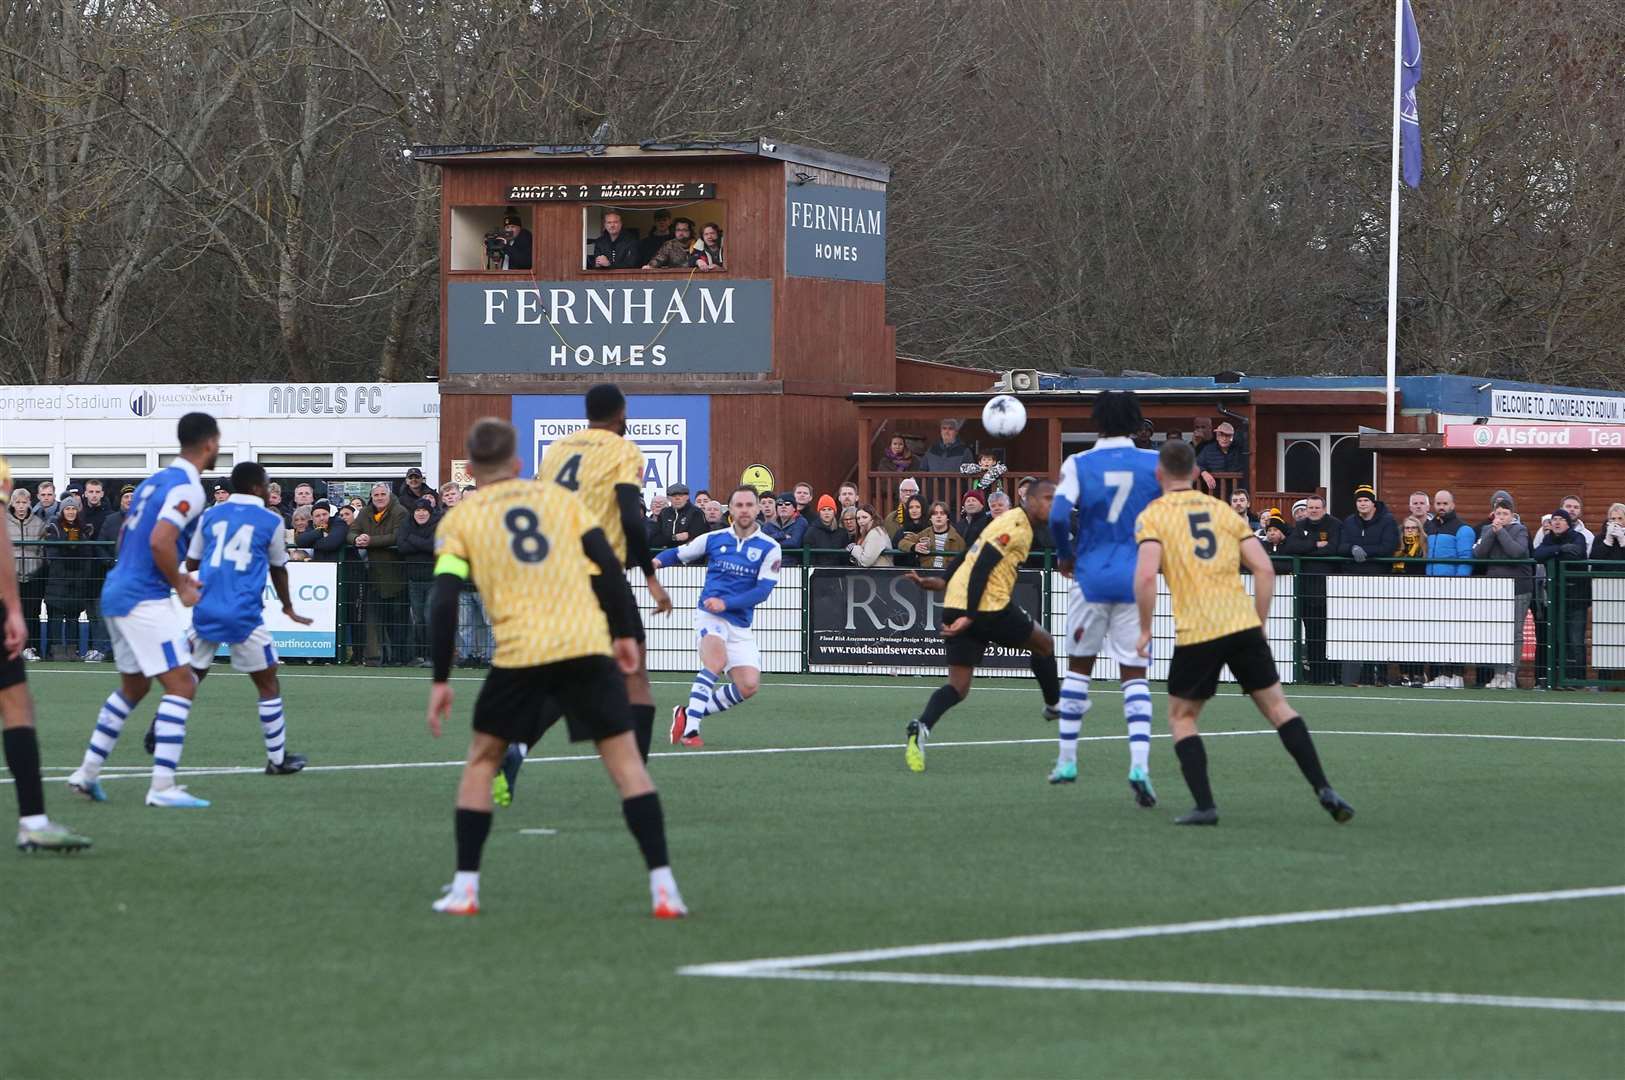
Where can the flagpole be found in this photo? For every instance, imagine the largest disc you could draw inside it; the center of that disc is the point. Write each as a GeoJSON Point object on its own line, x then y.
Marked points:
{"type": "Point", "coordinates": [1393, 210]}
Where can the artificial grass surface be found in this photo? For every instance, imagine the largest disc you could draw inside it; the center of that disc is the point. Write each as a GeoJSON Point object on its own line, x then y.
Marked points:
{"type": "Point", "coordinates": [285, 932]}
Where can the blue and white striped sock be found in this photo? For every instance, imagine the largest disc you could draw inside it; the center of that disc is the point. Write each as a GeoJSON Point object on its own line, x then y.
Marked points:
{"type": "Point", "coordinates": [109, 723]}
{"type": "Point", "coordinates": [1137, 714]}
{"type": "Point", "coordinates": [1074, 703]}
{"type": "Point", "coordinates": [275, 729]}
{"type": "Point", "coordinates": [699, 695]}
{"type": "Point", "coordinates": [171, 736]}
{"type": "Point", "coordinates": [725, 698]}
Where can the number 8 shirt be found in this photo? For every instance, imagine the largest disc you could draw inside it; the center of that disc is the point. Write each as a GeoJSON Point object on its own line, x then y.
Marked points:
{"type": "Point", "coordinates": [520, 540]}
{"type": "Point", "coordinates": [1201, 561]}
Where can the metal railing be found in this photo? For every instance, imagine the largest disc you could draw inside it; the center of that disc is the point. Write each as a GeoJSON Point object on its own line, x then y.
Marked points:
{"type": "Point", "coordinates": [1558, 624]}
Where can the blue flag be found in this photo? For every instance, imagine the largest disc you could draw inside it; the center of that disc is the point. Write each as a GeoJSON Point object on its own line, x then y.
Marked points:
{"type": "Point", "coordinates": [1410, 123]}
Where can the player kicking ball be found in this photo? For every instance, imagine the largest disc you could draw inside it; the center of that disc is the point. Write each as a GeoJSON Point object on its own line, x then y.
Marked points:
{"type": "Point", "coordinates": [563, 617]}
{"type": "Point", "coordinates": [237, 545]}
{"type": "Point", "coordinates": [1108, 485]}
{"type": "Point", "coordinates": [1200, 544]}
{"type": "Point", "coordinates": [741, 567]}
{"type": "Point", "coordinates": [979, 610]}
{"type": "Point", "coordinates": [35, 831]}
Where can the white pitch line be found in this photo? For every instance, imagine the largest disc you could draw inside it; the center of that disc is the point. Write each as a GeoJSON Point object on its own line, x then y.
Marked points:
{"type": "Point", "coordinates": [749, 968]}
{"type": "Point", "coordinates": [1313, 993]}
{"type": "Point", "coordinates": [127, 772]}
{"type": "Point", "coordinates": [538, 832]}
{"type": "Point", "coordinates": [982, 687]}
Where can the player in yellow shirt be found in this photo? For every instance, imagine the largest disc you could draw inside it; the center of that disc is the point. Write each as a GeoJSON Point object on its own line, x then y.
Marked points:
{"type": "Point", "coordinates": [978, 610]}
{"type": "Point", "coordinates": [605, 470]}
{"type": "Point", "coordinates": [563, 618]}
{"type": "Point", "coordinates": [1200, 545]}
{"type": "Point", "coordinates": [35, 831]}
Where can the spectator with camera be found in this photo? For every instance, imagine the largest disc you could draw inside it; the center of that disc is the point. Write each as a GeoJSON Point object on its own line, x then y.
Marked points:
{"type": "Point", "coordinates": [509, 248]}
{"type": "Point", "coordinates": [1610, 542]}
{"type": "Point", "coordinates": [1505, 537]}
{"type": "Point", "coordinates": [615, 248]}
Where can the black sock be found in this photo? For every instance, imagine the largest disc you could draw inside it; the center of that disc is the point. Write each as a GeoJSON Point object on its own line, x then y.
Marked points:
{"type": "Point", "coordinates": [944, 699]}
{"type": "Point", "coordinates": [22, 758]}
{"type": "Point", "coordinates": [1048, 681]}
{"type": "Point", "coordinates": [1295, 737]}
{"type": "Point", "coordinates": [472, 828]}
{"type": "Point", "coordinates": [648, 825]}
{"type": "Point", "coordinates": [1193, 763]}
{"type": "Point", "coordinates": [643, 726]}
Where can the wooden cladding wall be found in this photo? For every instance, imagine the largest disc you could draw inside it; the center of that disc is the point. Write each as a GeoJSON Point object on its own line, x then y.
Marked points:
{"type": "Point", "coordinates": [458, 413]}
{"type": "Point", "coordinates": [798, 437]}
{"type": "Point", "coordinates": [1536, 480]}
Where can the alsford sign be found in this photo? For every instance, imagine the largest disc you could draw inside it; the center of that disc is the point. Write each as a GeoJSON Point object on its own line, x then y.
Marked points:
{"type": "Point", "coordinates": [556, 328]}
{"type": "Point", "coordinates": [1534, 437]}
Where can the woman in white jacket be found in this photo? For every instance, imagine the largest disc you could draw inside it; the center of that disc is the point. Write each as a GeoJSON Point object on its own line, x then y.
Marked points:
{"type": "Point", "coordinates": [873, 541]}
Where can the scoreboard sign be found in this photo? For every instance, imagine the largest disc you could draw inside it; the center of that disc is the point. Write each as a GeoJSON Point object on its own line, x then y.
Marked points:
{"type": "Point", "coordinates": [610, 192]}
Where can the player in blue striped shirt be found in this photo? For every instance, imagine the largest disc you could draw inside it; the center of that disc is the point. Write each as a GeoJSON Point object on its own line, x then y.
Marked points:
{"type": "Point", "coordinates": [741, 567]}
{"type": "Point", "coordinates": [1108, 486]}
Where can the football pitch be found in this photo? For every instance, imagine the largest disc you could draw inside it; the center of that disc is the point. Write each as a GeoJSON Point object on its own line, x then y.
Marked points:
{"type": "Point", "coordinates": [849, 918]}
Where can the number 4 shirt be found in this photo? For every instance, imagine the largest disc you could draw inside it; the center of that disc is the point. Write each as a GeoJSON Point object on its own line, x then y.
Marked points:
{"type": "Point", "coordinates": [1201, 560]}
{"type": "Point", "coordinates": [236, 544]}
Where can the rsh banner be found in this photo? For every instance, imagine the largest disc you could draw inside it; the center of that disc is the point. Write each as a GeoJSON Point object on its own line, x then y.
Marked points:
{"type": "Point", "coordinates": [879, 617]}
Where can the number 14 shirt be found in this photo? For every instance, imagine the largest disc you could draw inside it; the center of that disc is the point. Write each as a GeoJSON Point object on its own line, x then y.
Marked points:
{"type": "Point", "coordinates": [1201, 561]}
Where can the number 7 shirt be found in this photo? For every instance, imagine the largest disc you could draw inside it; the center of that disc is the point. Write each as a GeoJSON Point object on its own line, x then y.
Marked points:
{"type": "Point", "coordinates": [1201, 541]}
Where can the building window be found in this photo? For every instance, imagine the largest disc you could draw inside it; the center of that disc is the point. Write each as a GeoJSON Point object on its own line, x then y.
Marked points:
{"type": "Point", "coordinates": [493, 239]}
{"type": "Point", "coordinates": [643, 233]}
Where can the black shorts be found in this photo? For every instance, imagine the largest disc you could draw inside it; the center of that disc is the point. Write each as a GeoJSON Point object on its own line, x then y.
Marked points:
{"type": "Point", "coordinates": [1009, 626]}
{"type": "Point", "coordinates": [12, 672]}
{"type": "Point", "coordinates": [1193, 673]}
{"type": "Point", "coordinates": [589, 690]}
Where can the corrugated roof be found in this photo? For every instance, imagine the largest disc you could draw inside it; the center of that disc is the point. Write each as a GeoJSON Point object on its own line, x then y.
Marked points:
{"type": "Point", "coordinates": [764, 147]}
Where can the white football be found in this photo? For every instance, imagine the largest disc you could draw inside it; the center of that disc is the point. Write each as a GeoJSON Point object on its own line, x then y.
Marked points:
{"type": "Point", "coordinates": [1003, 417]}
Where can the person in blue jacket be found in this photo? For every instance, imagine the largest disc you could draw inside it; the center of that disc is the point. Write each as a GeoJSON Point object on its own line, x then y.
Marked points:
{"type": "Point", "coordinates": [1449, 537]}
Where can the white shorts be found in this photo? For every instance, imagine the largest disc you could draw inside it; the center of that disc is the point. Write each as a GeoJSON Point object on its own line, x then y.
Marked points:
{"type": "Point", "coordinates": [253, 653]}
{"type": "Point", "coordinates": [1110, 630]}
{"type": "Point", "coordinates": [150, 640]}
{"type": "Point", "coordinates": [741, 643]}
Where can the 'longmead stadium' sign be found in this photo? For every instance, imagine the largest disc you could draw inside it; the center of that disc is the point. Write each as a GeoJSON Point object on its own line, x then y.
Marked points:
{"type": "Point", "coordinates": [685, 326]}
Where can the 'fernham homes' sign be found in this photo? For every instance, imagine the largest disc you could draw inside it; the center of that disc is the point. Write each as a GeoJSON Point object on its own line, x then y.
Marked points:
{"type": "Point", "coordinates": [835, 232]}
{"type": "Point", "coordinates": [682, 326]}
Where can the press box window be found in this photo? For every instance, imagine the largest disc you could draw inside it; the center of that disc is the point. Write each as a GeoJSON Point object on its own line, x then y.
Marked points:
{"type": "Point", "coordinates": [639, 223]}
{"type": "Point", "coordinates": [476, 232]}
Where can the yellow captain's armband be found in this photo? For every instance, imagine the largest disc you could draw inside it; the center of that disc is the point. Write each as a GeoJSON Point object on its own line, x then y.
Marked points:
{"type": "Point", "coordinates": [451, 564]}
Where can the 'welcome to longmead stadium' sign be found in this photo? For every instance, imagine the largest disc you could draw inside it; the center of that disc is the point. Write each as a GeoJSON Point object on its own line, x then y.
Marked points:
{"type": "Point", "coordinates": [569, 327]}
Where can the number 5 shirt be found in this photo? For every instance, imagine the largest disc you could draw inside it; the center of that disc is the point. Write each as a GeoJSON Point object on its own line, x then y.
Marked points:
{"type": "Point", "coordinates": [1201, 561]}
{"type": "Point", "coordinates": [236, 544]}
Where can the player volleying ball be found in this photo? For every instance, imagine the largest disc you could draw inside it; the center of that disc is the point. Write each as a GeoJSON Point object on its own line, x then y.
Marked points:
{"type": "Point", "coordinates": [1200, 545]}
{"type": "Point", "coordinates": [564, 621]}
{"type": "Point", "coordinates": [237, 545]}
{"type": "Point", "coordinates": [1108, 485]}
{"type": "Point", "coordinates": [978, 610]}
{"type": "Point", "coordinates": [35, 831]}
{"type": "Point", "coordinates": [605, 470]}
{"type": "Point", "coordinates": [149, 636]}
{"type": "Point", "coordinates": [741, 567]}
